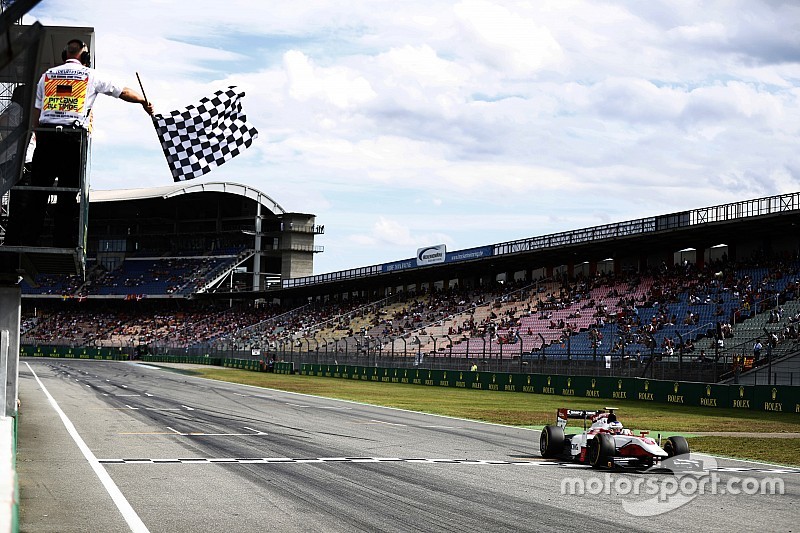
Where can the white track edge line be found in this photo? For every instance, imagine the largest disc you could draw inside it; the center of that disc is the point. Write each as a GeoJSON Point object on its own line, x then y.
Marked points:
{"type": "Point", "coordinates": [128, 513]}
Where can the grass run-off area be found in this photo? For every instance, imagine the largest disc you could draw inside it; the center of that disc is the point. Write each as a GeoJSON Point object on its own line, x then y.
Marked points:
{"type": "Point", "coordinates": [536, 410]}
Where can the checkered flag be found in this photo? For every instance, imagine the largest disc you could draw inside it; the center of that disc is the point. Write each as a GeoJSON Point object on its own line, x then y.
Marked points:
{"type": "Point", "coordinates": [205, 135]}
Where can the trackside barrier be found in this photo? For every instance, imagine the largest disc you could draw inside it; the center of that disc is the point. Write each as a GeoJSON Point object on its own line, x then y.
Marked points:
{"type": "Point", "coordinates": [284, 368]}
{"type": "Point", "coordinates": [108, 354]}
{"type": "Point", "coordinates": [776, 398]}
{"type": "Point", "coordinates": [191, 359]}
{"type": "Point", "coordinates": [255, 365]}
{"type": "Point", "coordinates": [9, 488]}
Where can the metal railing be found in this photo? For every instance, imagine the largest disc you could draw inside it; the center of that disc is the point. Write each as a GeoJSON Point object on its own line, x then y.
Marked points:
{"type": "Point", "coordinates": [406, 352]}
{"type": "Point", "coordinates": [721, 213]}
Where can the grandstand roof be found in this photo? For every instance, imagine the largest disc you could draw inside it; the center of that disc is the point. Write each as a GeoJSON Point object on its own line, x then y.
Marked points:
{"type": "Point", "coordinates": [169, 191]}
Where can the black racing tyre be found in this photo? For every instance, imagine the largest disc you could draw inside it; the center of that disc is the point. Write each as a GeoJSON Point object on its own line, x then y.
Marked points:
{"type": "Point", "coordinates": [600, 449]}
{"type": "Point", "coordinates": [676, 445]}
{"type": "Point", "coordinates": [551, 443]}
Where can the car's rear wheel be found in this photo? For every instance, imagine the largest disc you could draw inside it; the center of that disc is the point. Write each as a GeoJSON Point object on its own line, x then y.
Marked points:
{"type": "Point", "coordinates": [601, 449]}
{"type": "Point", "coordinates": [551, 442]}
{"type": "Point", "coordinates": [676, 445]}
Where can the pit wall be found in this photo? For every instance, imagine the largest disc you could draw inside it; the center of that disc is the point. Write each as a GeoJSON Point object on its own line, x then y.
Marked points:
{"type": "Point", "coordinates": [9, 489]}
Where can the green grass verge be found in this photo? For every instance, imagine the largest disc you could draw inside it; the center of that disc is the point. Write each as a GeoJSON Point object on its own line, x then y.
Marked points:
{"type": "Point", "coordinates": [536, 410]}
{"type": "Point", "coordinates": [782, 451]}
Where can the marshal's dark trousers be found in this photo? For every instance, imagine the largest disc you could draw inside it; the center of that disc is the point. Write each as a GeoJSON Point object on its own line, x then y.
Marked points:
{"type": "Point", "coordinates": [57, 155]}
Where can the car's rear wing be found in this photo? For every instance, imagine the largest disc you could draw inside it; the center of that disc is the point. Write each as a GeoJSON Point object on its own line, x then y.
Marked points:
{"type": "Point", "coordinates": [564, 414]}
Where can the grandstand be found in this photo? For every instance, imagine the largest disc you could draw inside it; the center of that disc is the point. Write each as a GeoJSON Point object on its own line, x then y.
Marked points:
{"type": "Point", "coordinates": [184, 240]}
{"type": "Point", "coordinates": [680, 296]}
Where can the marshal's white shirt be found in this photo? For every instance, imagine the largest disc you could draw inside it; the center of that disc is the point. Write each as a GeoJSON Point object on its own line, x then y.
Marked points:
{"type": "Point", "coordinates": [66, 93]}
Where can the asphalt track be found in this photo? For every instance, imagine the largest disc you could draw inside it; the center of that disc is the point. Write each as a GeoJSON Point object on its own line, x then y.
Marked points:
{"type": "Point", "coordinates": [116, 446]}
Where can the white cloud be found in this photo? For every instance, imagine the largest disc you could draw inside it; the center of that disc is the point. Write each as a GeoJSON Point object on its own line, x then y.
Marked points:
{"type": "Point", "coordinates": [338, 86]}
{"type": "Point", "coordinates": [387, 231]}
{"type": "Point", "coordinates": [506, 40]}
{"type": "Point", "coordinates": [466, 122]}
{"type": "Point", "coordinates": [734, 102]}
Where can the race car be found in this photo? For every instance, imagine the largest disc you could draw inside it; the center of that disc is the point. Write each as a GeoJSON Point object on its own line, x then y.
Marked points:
{"type": "Point", "coordinates": [606, 443]}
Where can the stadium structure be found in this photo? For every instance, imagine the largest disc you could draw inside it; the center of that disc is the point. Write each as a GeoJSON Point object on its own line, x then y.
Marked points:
{"type": "Point", "coordinates": [224, 233]}
{"type": "Point", "coordinates": [235, 233]}
{"type": "Point", "coordinates": [232, 238]}
{"type": "Point", "coordinates": [228, 254]}
{"type": "Point", "coordinates": [213, 267]}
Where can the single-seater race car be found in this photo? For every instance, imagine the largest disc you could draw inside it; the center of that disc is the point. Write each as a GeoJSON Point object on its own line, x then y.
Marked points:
{"type": "Point", "coordinates": [606, 443]}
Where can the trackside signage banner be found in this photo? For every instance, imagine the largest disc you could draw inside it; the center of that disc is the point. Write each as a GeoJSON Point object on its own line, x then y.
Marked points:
{"type": "Point", "coordinates": [469, 254]}
{"type": "Point", "coordinates": [431, 255]}
{"type": "Point", "coordinates": [398, 265]}
{"type": "Point", "coordinates": [776, 398]}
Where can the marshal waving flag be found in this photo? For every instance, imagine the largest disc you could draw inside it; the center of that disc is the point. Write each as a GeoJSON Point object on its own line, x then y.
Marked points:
{"type": "Point", "coordinates": [205, 135]}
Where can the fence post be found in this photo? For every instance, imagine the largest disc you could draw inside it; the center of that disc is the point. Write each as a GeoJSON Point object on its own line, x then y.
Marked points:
{"type": "Point", "coordinates": [769, 362]}
{"type": "Point", "coordinates": [680, 356]}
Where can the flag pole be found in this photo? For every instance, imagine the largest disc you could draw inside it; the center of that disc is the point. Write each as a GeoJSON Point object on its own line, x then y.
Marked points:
{"type": "Point", "coordinates": [146, 101]}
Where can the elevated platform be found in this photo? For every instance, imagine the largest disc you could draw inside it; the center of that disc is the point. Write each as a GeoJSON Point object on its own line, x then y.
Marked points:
{"type": "Point", "coordinates": [27, 262]}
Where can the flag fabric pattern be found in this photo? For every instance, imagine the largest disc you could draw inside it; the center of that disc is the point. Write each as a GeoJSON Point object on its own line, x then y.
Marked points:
{"type": "Point", "coordinates": [205, 135]}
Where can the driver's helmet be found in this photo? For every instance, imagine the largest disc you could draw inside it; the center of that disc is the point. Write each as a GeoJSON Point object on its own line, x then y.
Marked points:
{"type": "Point", "coordinates": [615, 427]}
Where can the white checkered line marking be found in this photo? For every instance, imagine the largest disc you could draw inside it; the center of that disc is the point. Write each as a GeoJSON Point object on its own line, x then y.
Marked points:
{"type": "Point", "coordinates": [319, 460]}
{"type": "Point", "coordinates": [282, 460]}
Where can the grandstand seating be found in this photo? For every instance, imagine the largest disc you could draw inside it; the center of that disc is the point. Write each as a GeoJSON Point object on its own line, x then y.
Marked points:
{"type": "Point", "coordinates": [671, 315]}
{"type": "Point", "coordinates": [135, 277]}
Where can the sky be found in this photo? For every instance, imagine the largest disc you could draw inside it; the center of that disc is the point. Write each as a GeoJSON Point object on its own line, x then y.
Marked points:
{"type": "Point", "coordinates": [466, 123]}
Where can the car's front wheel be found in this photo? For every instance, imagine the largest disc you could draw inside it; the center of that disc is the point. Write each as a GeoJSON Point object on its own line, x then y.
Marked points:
{"type": "Point", "coordinates": [676, 445]}
{"type": "Point", "coordinates": [601, 449]}
{"type": "Point", "coordinates": [551, 442]}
